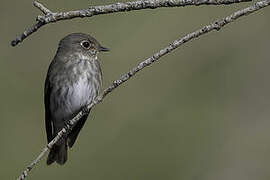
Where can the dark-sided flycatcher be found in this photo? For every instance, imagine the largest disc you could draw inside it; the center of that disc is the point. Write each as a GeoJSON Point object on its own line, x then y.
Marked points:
{"type": "Point", "coordinates": [73, 81]}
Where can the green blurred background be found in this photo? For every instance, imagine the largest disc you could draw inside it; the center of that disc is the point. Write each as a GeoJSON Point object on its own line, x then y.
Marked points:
{"type": "Point", "coordinates": [201, 113]}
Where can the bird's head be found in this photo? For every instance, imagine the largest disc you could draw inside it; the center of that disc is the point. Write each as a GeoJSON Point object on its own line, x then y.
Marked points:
{"type": "Point", "coordinates": [80, 44]}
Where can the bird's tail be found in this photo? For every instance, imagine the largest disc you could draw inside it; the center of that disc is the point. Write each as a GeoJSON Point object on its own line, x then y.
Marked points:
{"type": "Point", "coordinates": [58, 153]}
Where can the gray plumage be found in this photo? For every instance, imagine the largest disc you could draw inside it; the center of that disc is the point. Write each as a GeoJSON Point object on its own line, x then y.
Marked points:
{"type": "Point", "coordinates": [73, 81]}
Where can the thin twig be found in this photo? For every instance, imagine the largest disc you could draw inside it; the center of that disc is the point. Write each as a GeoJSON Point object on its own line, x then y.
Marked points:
{"type": "Point", "coordinates": [51, 17]}
{"type": "Point", "coordinates": [217, 25]}
{"type": "Point", "coordinates": [42, 8]}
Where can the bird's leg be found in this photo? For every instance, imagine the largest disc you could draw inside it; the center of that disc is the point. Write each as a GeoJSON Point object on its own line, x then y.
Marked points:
{"type": "Point", "coordinates": [67, 126]}
{"type": "Point", "coordinates": [85, 110]}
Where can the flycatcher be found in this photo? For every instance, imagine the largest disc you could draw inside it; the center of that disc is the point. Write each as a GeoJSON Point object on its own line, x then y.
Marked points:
{"type": "Point", "coordinates": [73, 81]}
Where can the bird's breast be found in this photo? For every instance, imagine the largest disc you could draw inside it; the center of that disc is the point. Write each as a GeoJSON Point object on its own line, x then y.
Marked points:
{"type": "Point", "coordinates": [74, 87]}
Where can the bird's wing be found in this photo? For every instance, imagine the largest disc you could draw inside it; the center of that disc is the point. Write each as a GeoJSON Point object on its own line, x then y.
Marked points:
{"type": "Point", "coordinates": [48, 120]}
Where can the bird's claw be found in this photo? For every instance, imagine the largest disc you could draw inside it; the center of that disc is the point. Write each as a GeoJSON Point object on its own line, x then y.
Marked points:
{"type": "Point", "coordinates": [85, 110]}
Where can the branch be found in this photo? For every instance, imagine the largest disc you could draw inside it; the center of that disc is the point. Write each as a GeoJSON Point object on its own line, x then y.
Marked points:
{"type": "Point", "coordinates": [42, 8]}
{"type": "Point", "coordinates": [50, 17]}
{"type": "Point", "coordinates": [217, 25]}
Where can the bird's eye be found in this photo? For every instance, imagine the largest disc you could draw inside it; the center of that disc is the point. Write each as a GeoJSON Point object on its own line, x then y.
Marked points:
{"type": "Point", "coordinates": [85, 44]}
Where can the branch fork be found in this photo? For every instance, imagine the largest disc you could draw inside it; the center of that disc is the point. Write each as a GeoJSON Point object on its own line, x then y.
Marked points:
{"type": "Point", "coordinates": [50, 17]}
{"type": "Point", "coordinates": [44, 10]}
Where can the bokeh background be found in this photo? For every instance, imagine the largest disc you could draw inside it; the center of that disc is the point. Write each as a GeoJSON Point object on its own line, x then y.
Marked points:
{"type": "Point", "coordinates": [200, 113]}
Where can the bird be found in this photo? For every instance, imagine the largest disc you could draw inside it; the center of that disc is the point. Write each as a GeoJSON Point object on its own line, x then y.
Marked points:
{"type": "Point", "coordinates": [73, 81]}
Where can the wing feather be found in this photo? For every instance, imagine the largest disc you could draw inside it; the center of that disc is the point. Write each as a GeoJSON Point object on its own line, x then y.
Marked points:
{"type": "Point", "coordinates": [48, 116]}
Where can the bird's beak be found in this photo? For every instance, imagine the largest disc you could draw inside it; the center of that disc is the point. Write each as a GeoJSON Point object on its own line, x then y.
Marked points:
{"type": "Point", "coordinates": [101, 48]}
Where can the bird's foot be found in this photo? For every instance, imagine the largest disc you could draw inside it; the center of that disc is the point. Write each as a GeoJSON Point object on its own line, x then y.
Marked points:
{"type": "Point", "coordinates": [85, 110]}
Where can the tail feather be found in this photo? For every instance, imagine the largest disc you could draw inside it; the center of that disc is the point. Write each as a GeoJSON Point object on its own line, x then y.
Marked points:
{"type": "Point", "coordinates": [58, 153]}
